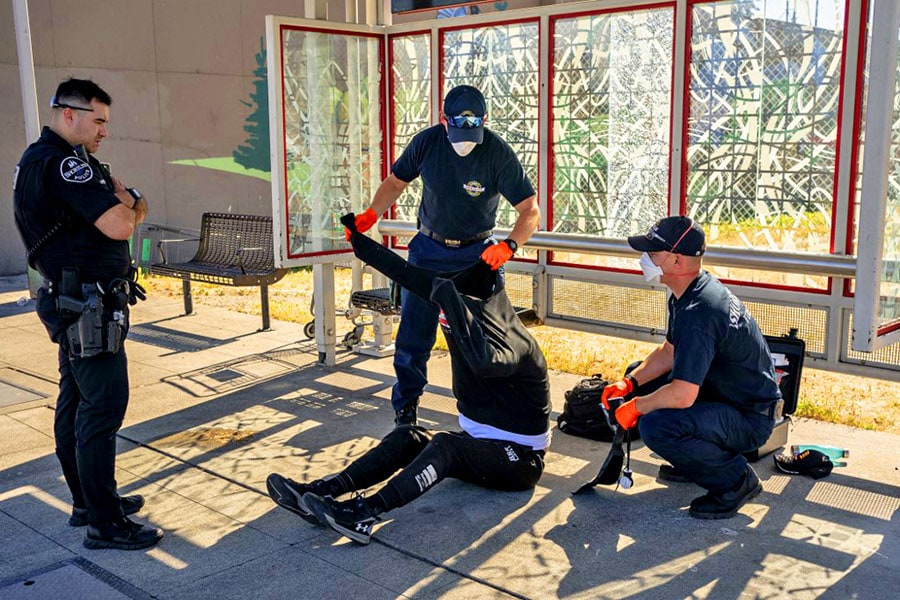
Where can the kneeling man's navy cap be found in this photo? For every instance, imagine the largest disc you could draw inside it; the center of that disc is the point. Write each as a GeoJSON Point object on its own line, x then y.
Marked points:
{"type": "Point", "coordinates": [679, 235]}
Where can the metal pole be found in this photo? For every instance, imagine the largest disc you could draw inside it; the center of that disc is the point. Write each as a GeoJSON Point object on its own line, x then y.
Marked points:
{"type": "Point", "coordinates": [29, 97]}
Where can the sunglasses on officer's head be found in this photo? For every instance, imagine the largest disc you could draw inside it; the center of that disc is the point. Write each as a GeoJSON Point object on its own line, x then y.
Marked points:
{"type": "Point", "coordinates": [64, 105]}
{"type": "Point", "coordinates": [465, 121]}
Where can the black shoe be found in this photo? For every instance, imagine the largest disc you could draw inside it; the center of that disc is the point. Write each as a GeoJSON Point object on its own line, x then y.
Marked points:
{"type": "Point", "coordinates": [406, 415]}
{"type": "Point", "coordinates": [809, 462]}
{"type": "Point", "coordinates": [130, 505]}
{"type": "Point", "coordinates": [121, 535]}
{"type": "Point", "coordinates": [726, 505]}
{"type": "Point", "coordinates": [352, 519]}
{"type": "Point", "coordinates": [288, 493]}
{"type": "Point", "coordinates": [670, 473]}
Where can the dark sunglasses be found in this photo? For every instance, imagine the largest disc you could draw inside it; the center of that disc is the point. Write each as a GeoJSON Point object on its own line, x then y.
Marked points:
{"type": "Point", "coordinates": [465, 122]}
{"type": "Point", "coordinates": [652, 235]}
{"type": "Point", "coordinates": [64, 105]}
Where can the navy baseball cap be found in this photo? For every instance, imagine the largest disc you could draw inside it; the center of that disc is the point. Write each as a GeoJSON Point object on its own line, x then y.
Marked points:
{"type": "Point", "coordinates": [465, 111]}
{"type": "Point", "coordinates": [679, 235]}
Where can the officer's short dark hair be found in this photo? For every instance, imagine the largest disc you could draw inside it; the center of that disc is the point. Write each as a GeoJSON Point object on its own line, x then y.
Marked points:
{"type": "Point", "coordinates": [79, 91]}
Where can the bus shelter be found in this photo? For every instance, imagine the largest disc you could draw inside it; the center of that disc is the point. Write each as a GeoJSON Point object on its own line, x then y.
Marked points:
{"type": "Point", "coordinates": [754, 117]}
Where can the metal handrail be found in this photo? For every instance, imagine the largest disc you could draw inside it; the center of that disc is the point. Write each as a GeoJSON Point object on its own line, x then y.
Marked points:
{"type": "Point", "coordinates": [832, 265]}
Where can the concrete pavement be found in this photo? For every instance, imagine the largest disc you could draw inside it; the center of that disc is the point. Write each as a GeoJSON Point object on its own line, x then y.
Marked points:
{"type": "Point", "coordinates": [216, 407]}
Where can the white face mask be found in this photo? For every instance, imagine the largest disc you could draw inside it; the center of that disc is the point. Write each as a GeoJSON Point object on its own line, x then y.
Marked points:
{"type": "Point", "coordinates": [463, 148]}
{"type": "Point", "coordinates": [651, 271]}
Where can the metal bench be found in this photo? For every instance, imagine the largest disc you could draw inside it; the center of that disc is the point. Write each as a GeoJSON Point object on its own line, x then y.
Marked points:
{"type": "Point", "coordinates": [234, 250]}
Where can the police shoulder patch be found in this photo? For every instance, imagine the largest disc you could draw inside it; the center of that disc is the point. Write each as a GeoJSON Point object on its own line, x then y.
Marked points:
{"type": "Point", "coordinates": [75, 170]}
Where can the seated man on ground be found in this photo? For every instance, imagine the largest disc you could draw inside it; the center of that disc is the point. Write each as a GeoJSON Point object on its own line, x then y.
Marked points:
{"type": "Point", "coordinates": [708, 393]}
{"type": "Point", "coordinates": [502, 389]}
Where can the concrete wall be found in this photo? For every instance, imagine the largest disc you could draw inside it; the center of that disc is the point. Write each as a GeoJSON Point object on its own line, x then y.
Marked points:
{"type": "Point", "coordinates": [179, 72]}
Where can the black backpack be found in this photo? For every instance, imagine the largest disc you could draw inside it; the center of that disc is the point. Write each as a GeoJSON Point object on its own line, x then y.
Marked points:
{"type": "Point", "coordinates": [583, 413]}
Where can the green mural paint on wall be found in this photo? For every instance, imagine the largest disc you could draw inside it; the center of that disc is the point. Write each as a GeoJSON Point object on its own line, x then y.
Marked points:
{"type": "Point", "coordinates": [254, 154]}
{"type": "Point", "coordinates": [250, 159]}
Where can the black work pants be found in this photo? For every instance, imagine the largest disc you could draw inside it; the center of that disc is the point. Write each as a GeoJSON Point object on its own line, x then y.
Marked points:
{"type": "Point", "coordinates": [93, 396]}
{"type": "Point", "coordinates": [427, 457]}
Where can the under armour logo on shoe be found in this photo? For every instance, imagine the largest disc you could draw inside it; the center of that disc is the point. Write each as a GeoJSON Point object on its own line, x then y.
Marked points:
{"type": "Point", "coordinates": [362, 527]}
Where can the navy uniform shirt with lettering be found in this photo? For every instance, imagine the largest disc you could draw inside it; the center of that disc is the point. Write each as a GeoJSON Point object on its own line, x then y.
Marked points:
{"type": "Point", "coordinates": [54, 185]}
{"type": "Point", "coordinates": [461, 193]}
{"type": "Point", "coordinates": [718, 346]}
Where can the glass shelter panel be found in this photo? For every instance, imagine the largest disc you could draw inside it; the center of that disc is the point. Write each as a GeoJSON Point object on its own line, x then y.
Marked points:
{"type": "Point", "coordinates": [611, 120]}
{"type": "Point", "coordinates": [502, 61]}
{"type": "Point", "coordinates": [332, 133]}
{"type": "Point", "coordinates": [762, 127]}
{"type": "Point", "coordinates": [889, 305]}
{"type": "Point", "coordinates": [410, 106]}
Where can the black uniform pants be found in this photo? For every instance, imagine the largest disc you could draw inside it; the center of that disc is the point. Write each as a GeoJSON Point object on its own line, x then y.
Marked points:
{"type": "Point", "coordinates": [93, 396]}
{"type": "Point", "coordinates": [427, 457]}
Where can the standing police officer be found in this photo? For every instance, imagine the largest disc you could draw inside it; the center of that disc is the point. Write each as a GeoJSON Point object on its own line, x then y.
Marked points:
{"type": "Point", "coordinates": [465, 167]}
{"type": "Point", "coordinates": [75, 220]}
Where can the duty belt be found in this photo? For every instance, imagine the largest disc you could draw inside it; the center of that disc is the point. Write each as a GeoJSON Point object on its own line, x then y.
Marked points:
{"type": "Point", "coordinates": [454, 243]}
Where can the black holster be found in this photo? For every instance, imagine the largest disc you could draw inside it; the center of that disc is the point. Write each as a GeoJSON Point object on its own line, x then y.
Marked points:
{"type": "Point", "coordinates": [101, 319]}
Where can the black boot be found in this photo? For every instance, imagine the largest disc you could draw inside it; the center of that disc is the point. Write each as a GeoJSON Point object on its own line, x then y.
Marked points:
{"type": "Point", "coordinates": [123, 534]}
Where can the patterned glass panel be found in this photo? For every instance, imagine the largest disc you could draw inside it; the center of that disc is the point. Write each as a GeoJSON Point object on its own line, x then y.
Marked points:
{"type": "Point", "coordinates": [764, 100]}
{"type": "Point", "coordinates": [889, 308]}
{"type": "Point", "coordinates": [502, 62]}
{"type": "Point", "coordinates": [411, 105]}
{"type": "Point", "coordinates": [332, 123]}
{"type": "Point", "coordinates": [612, 94]}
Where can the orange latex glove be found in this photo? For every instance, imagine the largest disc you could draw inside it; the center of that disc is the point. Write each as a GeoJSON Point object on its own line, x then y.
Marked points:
{"type": "Point", "coordinates": [497, 254]}
{"type": "Point", "coordinates": [627, 415]}
{"type": "Point", "coordinates": [363, 222]}
{"type": "Point", "coordinates": [619, 389]}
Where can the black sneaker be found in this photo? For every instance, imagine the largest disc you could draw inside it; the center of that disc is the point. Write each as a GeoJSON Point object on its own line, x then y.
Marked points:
{"type": "Point", "coordinates": [406, 415]}
{"type": "Point", "coordinates": [809, 462]}
{"type": "Point", "coordinates": [670, 473]}
{"type": "Point", "coordinates": [726, 505]}
{"type": "Point", "coordinates": [121, 535]}
{"type": "Point", "coordinates": [288, 493]}
{"type": "Point", "coordinates": [352, 519]}
{"type": "Point", "coordinates": [130, 505]}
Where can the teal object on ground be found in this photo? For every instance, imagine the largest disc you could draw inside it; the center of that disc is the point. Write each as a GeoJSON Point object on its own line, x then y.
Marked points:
{"type": "Point", "coordinates": [833, 452]}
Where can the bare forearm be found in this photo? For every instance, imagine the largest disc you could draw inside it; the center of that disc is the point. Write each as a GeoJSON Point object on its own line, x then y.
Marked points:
{"type": "Point", "coordinates": [386, 194]}
{"type": "Point", "coordinates": [528, 221]}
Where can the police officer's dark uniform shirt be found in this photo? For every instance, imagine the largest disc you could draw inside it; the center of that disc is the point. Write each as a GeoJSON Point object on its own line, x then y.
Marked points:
{"type": "Point", "coordinates": [54, 185]}
{"type": "Point", "coordinates": [719, 346]}
{"type": "Point", "coordinates": [461, 193]}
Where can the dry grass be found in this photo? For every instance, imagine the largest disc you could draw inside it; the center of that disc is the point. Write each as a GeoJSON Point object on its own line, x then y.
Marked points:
{"type": "Point", "coordinates": [847, 399]}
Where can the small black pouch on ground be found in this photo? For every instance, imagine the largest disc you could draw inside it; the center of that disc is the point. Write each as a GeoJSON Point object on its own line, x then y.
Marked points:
{"type": "Point", "coordinates": [788, 352]}
{"type": "Point", "coordinates": [583, 413]}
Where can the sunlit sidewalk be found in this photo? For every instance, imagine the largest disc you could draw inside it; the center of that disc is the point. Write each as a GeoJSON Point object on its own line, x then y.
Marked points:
{"type": "Point", "coordinates": [216, 407]}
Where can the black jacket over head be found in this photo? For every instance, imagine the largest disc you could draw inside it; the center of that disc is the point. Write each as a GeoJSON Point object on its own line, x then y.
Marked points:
{"type": "Point", "coordinates": [499, 372]}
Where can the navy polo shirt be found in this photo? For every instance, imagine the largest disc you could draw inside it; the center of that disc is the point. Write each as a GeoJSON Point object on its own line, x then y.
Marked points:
{"type": "Point", "coordinates": [461, 193]}
{"type": "Point", "coordinates": [719, 346]}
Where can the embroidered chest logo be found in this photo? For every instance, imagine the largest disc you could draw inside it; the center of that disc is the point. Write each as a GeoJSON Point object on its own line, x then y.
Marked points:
{"type": "Point", "coordinates": [75, 170]}
{"type": "Point", "coordinates": [473, 188]}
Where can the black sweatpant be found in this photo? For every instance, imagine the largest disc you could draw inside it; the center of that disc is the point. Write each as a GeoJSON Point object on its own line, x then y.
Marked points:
{"type": "Point", "coordinates": [427, 457]}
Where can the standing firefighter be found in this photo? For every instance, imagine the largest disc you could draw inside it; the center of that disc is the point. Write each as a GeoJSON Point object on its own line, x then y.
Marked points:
{"type": "Point", "coordinates": [75, 220]}
{"type": "Point", "coordinates": [464, 167]}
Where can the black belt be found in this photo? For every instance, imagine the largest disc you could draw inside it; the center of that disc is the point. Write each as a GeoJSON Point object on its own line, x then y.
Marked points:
{"type": "Point", "coordinates": [454, 243]}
